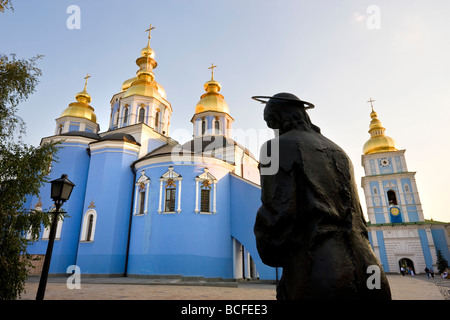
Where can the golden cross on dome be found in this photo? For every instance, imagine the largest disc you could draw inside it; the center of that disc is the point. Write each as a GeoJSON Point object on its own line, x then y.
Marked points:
{"type": "Point", "coordinates": [85, 82]}
{"type": "Point", "coordinates": [371, 100]}
{"type": "Point", "coordinates": [212, 70]}
{"type": "Point", "coordinates": [149, 33]}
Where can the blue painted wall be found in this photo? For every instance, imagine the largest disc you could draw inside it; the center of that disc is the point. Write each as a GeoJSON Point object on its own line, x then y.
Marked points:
{"type": "Point", "coordinates": [382, 250]}
{"type": "Point", "coordinates": [73, 160]}
{"type": "Point", "coordinates": [182, 243]}
{"type": "Point", "coordinates": [425, 247]}
{"type": "Point", "coordinates": [245, 202]}
{"type": "Point", "coordinates": [440, 242]}
{"type": "Point", "coordinates": [110, 183]}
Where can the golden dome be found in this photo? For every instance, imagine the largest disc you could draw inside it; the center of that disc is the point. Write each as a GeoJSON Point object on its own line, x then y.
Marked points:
{"type": "Point", "coordinates": [378, 141]}
{"type": "Point", "coordinates": [142, 90]}
{"type": "Point", "coordinates": [81, 108]}
{"type": "Point", "coordinates": [212, 100]}
{"type": "Point", "coordinates": [144, 83]}
{"type": "Point", "coordinates": [127, 83]}
{"type": "Point", "coordinates": [148, 51]}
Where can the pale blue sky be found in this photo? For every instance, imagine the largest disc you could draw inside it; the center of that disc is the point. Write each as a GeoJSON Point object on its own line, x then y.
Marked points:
{"type": "Point", "coordinates": [322, 51]}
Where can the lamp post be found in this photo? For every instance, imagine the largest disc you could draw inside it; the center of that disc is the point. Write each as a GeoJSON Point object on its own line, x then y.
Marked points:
{"type": "Point", "coordinates": [60, 193]}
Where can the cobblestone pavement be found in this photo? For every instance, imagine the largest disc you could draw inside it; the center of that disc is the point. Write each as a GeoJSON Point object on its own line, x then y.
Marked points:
{"type": "Point", "coordinates": [402, 288]}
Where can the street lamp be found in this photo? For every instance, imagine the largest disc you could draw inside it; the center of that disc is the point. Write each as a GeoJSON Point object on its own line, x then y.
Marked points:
{"type": "Point", "coordinates": [60, 193]}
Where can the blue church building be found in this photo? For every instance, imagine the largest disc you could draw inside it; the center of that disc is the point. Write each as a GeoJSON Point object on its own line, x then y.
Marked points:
{"type": "Point", "coordinates": [145, 204]}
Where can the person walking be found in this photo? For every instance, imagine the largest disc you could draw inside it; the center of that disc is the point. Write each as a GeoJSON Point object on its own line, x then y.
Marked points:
{"type": "Point", "coordinates": [427, 271]}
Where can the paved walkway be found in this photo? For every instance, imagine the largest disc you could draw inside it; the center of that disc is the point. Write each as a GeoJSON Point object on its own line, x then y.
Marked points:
{"type": "Point", "coordinates": [402, 288]}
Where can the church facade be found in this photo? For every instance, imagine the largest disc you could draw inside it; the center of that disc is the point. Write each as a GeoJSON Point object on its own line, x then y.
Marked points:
{"type": "Point", "coordinates": [146, 205]}
{"type": "Point", "coordinates": [398, 231]}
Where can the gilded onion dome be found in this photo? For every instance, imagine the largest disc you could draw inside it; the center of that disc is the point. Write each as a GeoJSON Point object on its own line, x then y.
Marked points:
{"type": "Point", "coordinates": [81, 108]}
{"type": "Point", "coordinates": [144, 83]}
{"type": "Point", "coordinates": [378, 141]}
{"type": "Point", "coordinates": [212, 100]}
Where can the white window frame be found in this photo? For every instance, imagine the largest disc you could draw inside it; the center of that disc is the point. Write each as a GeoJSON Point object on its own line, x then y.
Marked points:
{"type": "Point", "coordinates": [46, 233]}
{"type": "Point", "coordinates": [85, 225]}
{"type": "Point", "coordinates": [143, 179]}
{"type": "Point", "coordinates": [200, 179]}
{"type": "Point", "coordinates": [170, 175]}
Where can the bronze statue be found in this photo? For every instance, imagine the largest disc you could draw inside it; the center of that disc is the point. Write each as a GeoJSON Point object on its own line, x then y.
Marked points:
{"type": "Point", "coordinates": [311, 223]}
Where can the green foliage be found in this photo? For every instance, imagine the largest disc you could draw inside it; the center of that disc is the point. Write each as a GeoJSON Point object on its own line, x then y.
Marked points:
{"type": "Point", "coordinates": [441, 262]}
{"type": "Point", "coordinates": [5, 4]}
{"type": "Point", "coordinates": [23, 171]}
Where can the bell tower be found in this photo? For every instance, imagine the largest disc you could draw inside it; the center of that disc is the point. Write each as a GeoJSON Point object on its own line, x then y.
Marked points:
{"type": "Point", "coordinates": [390, 189]}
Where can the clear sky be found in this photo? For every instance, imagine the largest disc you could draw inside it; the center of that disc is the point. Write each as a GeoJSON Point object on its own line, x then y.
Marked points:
{"type": "Point", "coordinates": [335, 54]}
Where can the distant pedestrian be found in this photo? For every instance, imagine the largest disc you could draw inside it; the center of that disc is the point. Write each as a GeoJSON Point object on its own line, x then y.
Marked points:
{"type": "Point", "coordinates": [402, 271]}
{"type": "Point", "coordinates": [411, 271]}
{"type": "Point", "coordinates": [432, 272]}
{"type": "Point", "coordinates": [427, 271]}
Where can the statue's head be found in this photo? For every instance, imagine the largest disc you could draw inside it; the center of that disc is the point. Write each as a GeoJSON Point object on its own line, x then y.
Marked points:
{"type": "Point", "coordinates": [285, 111]}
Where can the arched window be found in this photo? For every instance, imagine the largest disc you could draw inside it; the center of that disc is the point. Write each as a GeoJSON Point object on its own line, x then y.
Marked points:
{"type": "Point", "coordinates": [125, 115]}
{"type": "Point", "coordinates": [89, 222]}
{"type": "Point", "coordinates": [89, 227]}
{"type": "Point", "coordinates": [392, 198]}
{"type": "Point", "coordinates": [116, 119]}
{"type": "Point", "coordinates": [141, 194]}
{"type": "Point", "coordinates": [170, 192]}
{"type": "Point", "coordinates": [169, 205]}
{"type": "Point", "coordinates": [203, 126]}
{"type": "Point", "coordinates": [157, 120]}
{"type": "Point", "coordinates": [46, 234]}
{"type": "Point", "coordinates": [141, 115]}
{"type": "Point", "coordinates": [141, 198]}
{"type": "Point", "coordinates": [205, 186]}
{"type": "Point", "coordinates": [217, 126]}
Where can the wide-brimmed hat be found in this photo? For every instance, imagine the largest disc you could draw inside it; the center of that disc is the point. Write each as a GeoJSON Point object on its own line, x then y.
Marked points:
{"type": "Point", "coordinates": [285, 97]}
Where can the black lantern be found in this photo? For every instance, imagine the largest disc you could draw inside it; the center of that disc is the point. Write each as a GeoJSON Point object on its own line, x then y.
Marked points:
{"type": "Point", "coordinates": [60, 193]}
{"type": "Point", "coordinates": [61, 189]}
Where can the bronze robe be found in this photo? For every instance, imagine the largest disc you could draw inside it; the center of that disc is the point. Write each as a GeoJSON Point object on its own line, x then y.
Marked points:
{"type": "Point", "coordinates": [311, 223]}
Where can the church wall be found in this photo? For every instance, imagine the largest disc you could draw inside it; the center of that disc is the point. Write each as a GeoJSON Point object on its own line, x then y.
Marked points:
{"type": "Point", "coordinates": [245, 202]}
{"type": "Point", "coordinates": [110, 184]}
{"type": "Point", "coordinates": [425, 248]}
{"type": "Point", "coordinates": [186, 243]}
{"type": "Point", "coordinates": [382, 251]}
{"type": "Point", "coordinates": [441, 242]}
{"type": "Point", "coordinates": [73, 160]}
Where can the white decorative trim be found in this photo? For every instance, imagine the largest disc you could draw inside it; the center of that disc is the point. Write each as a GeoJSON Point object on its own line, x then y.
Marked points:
{"type": "Point", "coordinates": [179, 197]}
{"type": "Point", "coordinates": [205, 176]}
{"type": "Point", "coordinates": [170, 175]}
{"type": "Point", "coordinates": [85, 225]}
{"type": "Point", "coordinates": [196, 196]}
{"type": "Point", "coordinates": [46, 232]}
{"type": "Point", "coordinates": [145, 180]}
